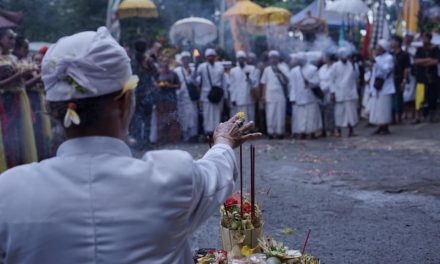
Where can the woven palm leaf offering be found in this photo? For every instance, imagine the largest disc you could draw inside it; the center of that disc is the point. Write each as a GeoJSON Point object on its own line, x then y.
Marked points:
{"type": "Point", "coordinates": [277, 252]}
{"type": "Point", "coordinates": [214, 257]}
{"type": "Point", "coordinates": [241, 221]}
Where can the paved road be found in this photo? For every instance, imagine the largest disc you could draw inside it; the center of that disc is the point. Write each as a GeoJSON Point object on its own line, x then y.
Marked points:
{"type": "Point", "coordinates": [369, 199]}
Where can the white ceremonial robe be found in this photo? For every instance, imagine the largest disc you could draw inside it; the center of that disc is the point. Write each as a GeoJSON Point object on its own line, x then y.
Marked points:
{"type": "Point", "coordinates": [381, 101]}
{"type": "Point", "coordinates": [275, 101]}
{"type": "Point", "coordinates": [326, 81]}
{"type": "Point", "coordinates": [240, 90]}
{"type": "Point", "coordinates": [211, 112]}
{"type": "Point", "coordinates": [187, 110]}
{"type": "Point", "coordinates": [346, 94]}
{"type": "Point", "coordinates": [306, 115]}
{"type": "Point", "coordinates": [95, 203]}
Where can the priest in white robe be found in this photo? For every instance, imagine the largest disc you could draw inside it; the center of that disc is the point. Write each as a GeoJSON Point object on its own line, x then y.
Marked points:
{"type": "Point", "coordinates": [211, 74]}
{"type": "Point", "coordinates": [94, 202]}
{"type": "Point", "coordinates": [306, 115]}
{"type": "Point", "coordinates": [381, 113]}
{"type": "Point", "coordinates": [275, 83]}
{"type": "Point", "coordinates": [187, 109]}
{"type": "Point", "coordinates": [345, 92]}
{"type": "Point", "coordinates": [243, 80]}
{"type": "Point", "coordinates": [326, 83]}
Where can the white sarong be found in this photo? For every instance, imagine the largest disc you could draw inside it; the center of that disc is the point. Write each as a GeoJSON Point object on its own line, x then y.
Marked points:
{"type": "Point", "coordinates": [188, 119]}
{"type": "Point", "coordinates": [306, 119]}
{"type": "Point", "coordinates": [346, 113]}
{"type": "Point", "coordinates": [276, 117]}
{"type": "Point", "coordinates": [381, 110]}
{"type": "Point", "coordinates": [211, 116]}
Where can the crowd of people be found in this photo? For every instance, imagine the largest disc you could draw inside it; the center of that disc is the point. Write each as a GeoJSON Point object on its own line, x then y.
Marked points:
{"type": "Point", "coordinates": [303, 95]}
{"type": "Point", "coordinates": [183, 98]}
{"type": "Point", "coordinates": [26, 133]}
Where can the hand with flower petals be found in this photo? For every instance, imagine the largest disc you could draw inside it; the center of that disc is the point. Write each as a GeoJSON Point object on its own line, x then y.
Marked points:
{"type": "Point", "coordinates": [234, 133]}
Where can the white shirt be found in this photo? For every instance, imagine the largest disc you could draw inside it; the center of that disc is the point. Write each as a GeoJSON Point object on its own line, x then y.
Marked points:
{"type": "Point", "coordinates": [216, 72]}
{"type": "Point", "coordinates": [95, 203]}
{"type": "Point", "coordinates": [299, 92]}
{"type": "Point", "coordinates": [184, 78]}
{"type": "Point", "coordinates": [274, 89]}
{"type": "Point", "coordinates": [383, 68]}
{"type": "Point", "coordinates": [345, 81]}
{"type": "Point", "coordinates": [240, 86]}
{"type": "Point", "coordinates": [326, 80]}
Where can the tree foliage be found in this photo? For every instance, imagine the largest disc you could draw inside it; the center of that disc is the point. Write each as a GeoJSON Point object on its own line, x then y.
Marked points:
{"type": "Point", "coordinates": [292, 5]}
{"type": "Point", "coordinates": [48, 20]}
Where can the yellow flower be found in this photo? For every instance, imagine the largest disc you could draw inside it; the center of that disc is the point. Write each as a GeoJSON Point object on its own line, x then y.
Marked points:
{"type": "Point", "coordinates": [247, 251]}
{"type": "Point", "coordinates": [241, 115]}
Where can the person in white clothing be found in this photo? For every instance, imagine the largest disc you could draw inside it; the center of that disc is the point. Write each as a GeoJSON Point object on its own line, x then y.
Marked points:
{"type": "Point", "coordinates": [211, 75]}
{"type": "Point", "coordinates": [345, 93]}
{"type": "Point", "coordinates": [243, 79]}
{"type": "Point", "coordinates": [274, 94]}
{"type": "Point", "coordinates": [326, 83]}
{"type": "Point", "coordinates": [306, 115]}
{"type": "Point", "coordinates": [187, 107]}
{"type": "Point", "coordinates": [94, 202]}
{"type": "Point", "coordinates": [382, 88]}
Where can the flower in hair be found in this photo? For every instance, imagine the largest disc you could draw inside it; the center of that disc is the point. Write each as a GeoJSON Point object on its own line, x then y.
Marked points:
{"type": "Point", "coordinates": [71, 116]}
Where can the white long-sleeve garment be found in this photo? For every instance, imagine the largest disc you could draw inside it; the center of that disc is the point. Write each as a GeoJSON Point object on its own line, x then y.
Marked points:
{"type": "Point", "coordinates": [95, 203]}
{"type": "Point", "coordinates": [383, 68]}
{"type": "Point", "coordinates": [345, 81]}
{"type": "Point", "coordinates": [274, 89]}
{"type": "Point", "coordinates": [326, 81]}
{"type": "Point", "coordinates": [186, 108]}
{"type": "Point", "coordinates": [240, 87]}
{"type": "Point", "coordinates": [299, 92]}
{"type": "Point", "coordinates": [216, 72]}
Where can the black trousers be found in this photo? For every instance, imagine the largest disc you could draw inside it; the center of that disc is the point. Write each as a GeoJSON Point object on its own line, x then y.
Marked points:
{"type": "Point", "coordinates": [432, 95]}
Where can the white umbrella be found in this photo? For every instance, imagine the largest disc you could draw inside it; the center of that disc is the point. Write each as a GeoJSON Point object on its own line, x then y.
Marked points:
{"type": "Point", "coordinates": [355, 7]}
{"type": "Point", "coordinates": [199, 31]}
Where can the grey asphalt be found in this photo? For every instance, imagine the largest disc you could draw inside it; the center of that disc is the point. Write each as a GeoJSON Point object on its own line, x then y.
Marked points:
{"type": "Point", "coordinates": [368, 199]}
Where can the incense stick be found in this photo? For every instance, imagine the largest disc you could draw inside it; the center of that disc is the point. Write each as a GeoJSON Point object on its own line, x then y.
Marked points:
{"type": "Point", "coordinates": [305, 242]}
{"type": "Point", "coordinates": [252, 181]}
{"type": "Point", "coordinates": [241, 181]}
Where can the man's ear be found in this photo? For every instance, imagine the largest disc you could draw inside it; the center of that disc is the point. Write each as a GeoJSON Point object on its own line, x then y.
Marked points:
{"type": "Point", "coordinates": [127, 105]}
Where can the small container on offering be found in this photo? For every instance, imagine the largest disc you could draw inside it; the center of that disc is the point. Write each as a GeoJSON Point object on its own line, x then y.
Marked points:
{"type": "Point", "coordinates": [238, 227]}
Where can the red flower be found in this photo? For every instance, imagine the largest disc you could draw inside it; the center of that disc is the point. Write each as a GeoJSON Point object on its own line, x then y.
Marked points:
{"type": "Point", "coordinates": [234, 199]}
{"type": "Point", "coordinates": [247, 208]}
{"type": "Point", "coordinates": [231, 201]}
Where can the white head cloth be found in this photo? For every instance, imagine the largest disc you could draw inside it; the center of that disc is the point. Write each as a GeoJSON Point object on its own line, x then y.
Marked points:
{"type": "Point", "coordinates": [84, 65]}
{"type": "Point", "coordinates": [210, 52]}
{"type": "Point", "coordinates": [274, 53]}
{"type": "Point", "coordinates": [300, 58]}
{"type": "Point", "coordinates": [314, 57]}
{"type": "Point", "coordinates": [241, 54]}
{"type": "Point", "coordinates": [185, 54]}
{"type": "Point", "coordinates": [344, 52]}
{"type": "Point", "coordinates": [385, 44]}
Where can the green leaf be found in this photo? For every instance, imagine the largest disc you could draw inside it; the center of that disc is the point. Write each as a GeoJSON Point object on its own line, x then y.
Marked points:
{"type": "Point", "coordinates": [287, 231]}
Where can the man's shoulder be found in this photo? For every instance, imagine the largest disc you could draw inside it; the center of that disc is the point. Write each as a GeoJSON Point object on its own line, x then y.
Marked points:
{"type": "Point", "coordinates": [168, 158]}
{"type": "Point", "coordinates": [170, 167]}
{"type": "Point", "coordinates": [18, 175]}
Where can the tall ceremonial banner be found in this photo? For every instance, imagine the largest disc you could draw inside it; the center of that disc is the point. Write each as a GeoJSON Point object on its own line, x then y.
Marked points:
{"type": "Point", "coordinates": [411, 10]}
{"type": "Point", "coordinates": [112, 21]}
{"type": "Point", "coordinates": [379, 23]}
